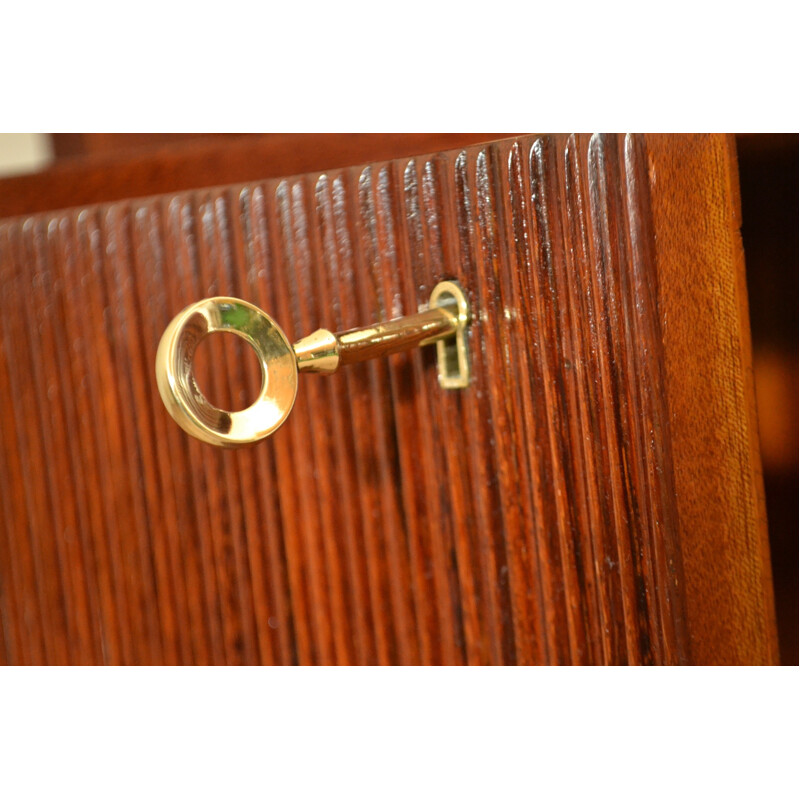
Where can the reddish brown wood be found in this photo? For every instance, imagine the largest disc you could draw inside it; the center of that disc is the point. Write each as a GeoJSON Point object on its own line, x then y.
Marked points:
{"type": "Point", "coordinates": [75, 145]}
{"type": "Point", "coordinates": [170, 166]}
{"type": "Point", "coordinates": [544, 515]}
{"type": "Point", "coordinates": [714, 432]}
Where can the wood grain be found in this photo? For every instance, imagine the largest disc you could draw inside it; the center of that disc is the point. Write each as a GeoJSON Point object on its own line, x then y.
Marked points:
{"type": "Point", "coordinates": [111, 172]}
{"type": "Point", "coordinates": [709, 378]}
{"type": "Point", "coordinates": [542, 516]}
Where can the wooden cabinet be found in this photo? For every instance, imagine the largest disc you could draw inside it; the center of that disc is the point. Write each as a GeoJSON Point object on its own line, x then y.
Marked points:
{"type": "Point", "coordinates": [594, 496]}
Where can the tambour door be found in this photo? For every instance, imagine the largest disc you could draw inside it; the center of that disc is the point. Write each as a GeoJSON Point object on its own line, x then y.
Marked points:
{"type": "Point", "coordinates": [591, 497]}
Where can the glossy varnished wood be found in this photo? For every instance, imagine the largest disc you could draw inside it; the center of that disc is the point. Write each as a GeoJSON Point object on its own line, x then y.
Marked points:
{"type": "Point", "coordinates": [543, 515]}
{"type": "Point", "coordinates": [709, 378]}
{"type": "Point", "coordinates": [107, 167]}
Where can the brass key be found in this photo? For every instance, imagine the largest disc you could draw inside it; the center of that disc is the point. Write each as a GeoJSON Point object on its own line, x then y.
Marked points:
{"type": "Point", "coordinates": [444, 322]}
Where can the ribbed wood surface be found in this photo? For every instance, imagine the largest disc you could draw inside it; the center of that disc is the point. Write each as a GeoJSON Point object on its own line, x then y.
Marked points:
{"type": "Point", "coordinates": [527, 519]}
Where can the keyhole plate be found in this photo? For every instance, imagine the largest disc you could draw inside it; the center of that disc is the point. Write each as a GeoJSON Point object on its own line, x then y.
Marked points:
{"type": "Point", "coordinates": [452, 353]}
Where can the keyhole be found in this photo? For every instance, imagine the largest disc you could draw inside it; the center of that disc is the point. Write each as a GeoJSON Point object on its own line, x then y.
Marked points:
{"type": "Point", "coordinates": [227, 371]}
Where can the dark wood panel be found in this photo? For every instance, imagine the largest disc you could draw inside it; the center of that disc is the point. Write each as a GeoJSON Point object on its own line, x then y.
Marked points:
{"type": "Point", "coordinates": [171, 166]}
{"type": "Point", "coordinates": [531, 518]}
{"type": "Point", "coordinates": [80, 145]}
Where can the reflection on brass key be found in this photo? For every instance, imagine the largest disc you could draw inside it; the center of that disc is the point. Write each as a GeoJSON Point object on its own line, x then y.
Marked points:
{"type": "Point", "coordinates": [444, 322]}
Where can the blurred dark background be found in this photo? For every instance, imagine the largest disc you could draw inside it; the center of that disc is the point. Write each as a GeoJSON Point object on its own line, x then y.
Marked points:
{"type": "Point", "coordinates": [768, 176]}
{"type": "Point", "coordinates": [78, 171]}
